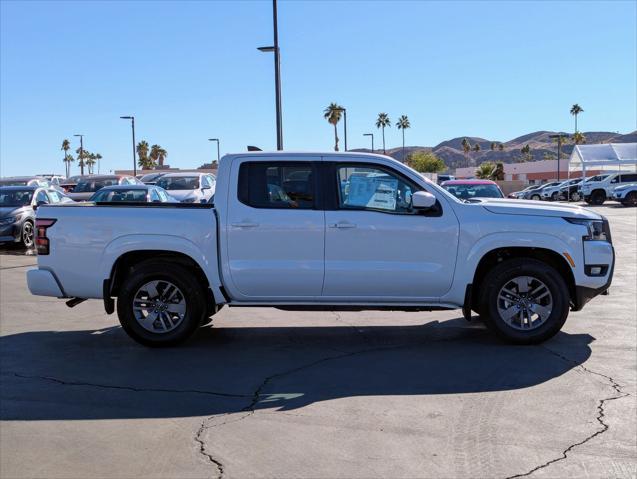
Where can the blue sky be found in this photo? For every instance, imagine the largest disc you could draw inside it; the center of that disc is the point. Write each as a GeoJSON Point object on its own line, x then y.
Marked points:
{"type": "Point", "coordinates": [189, 71]}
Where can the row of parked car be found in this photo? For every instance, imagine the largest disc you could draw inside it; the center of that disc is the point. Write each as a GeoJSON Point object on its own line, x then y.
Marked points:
{"type": "Point", "coordinates": [20, 197]}
{"type": "Point", "coordinates": [594, 190]}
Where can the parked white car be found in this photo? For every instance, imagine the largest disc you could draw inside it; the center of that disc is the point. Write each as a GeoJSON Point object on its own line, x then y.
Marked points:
{"type": "Point", "coordinates": [325, 231]}
{"type": "Point", "coordinates": [553, 193]}
{"type": "Point", "coordinates": [626, 194]}
{"type": "Point", "coordinates": [596, 192]}
{"type": "Point", "coordinates": [189, 187]}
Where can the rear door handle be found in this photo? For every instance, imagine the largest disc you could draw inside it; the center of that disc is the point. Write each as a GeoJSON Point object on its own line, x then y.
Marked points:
{"type": "Point", "coordinates": [244, 225]}
{"type": "Point", "coordinates": [342, 225]}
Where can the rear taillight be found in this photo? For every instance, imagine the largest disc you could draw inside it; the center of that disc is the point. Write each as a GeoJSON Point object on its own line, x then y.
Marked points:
{"type": "Point", "coordinates": [41, 241]}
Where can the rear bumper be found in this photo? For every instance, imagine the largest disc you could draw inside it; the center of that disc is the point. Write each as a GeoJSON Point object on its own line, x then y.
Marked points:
{"type": "Point", "coordinates": [42, 282]}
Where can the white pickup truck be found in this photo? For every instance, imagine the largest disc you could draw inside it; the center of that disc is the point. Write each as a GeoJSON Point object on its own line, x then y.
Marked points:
{"type": "Point", "coordinates": [324, 231]}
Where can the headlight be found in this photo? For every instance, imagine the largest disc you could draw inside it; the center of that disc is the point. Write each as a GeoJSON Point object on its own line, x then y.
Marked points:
{"type": "Point", "coordinates": [9, 220]}
{"type": "Point", "coordinates": [597, 229]}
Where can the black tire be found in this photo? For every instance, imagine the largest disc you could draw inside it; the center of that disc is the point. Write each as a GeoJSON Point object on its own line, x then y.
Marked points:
{"type": "Point", "coordinates": [27, 234]}
{"type": "Point", "coordinates": [554, 196]}
{"type": "Point", "coordinates": [193, 294]}
{"type": "Point", "coordinates": [598, 197]}
{"type": "Point", "coordinates": [631, 199]}
{"type": "Point", "coordinates": [536, 197]}
{"type": "Point", "coordinates": [504, 272]}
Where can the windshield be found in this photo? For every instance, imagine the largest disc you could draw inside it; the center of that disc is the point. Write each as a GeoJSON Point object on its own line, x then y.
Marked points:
{"type": "Point", "coordinates": [15, 197]}
{"type": "Point", "coordinates": [466, 192]}
{"type": "Point", "coordinates": [179, 183]}
{"type": "Point", "coordinates": [136, 196]}
{"type": "Point", "coordinates": [89, 185]}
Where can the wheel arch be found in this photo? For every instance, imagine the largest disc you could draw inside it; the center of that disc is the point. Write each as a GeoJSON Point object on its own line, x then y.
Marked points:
{"type": "Point", "coordinates": [497, 255]}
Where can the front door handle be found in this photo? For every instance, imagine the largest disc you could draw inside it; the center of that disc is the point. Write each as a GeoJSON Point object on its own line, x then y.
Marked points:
{"type": "Point", "coordinates": [244, 225]}
{"type": "Point", "coordinates": [342, 225]}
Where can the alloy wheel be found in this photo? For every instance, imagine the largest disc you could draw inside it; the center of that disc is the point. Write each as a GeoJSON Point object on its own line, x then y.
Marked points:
{"type": "Point", "coordinates": [525, 303]}
{"type": "Point", "coordinates": [159, 306]}
{"type": "Point", "coordinates": [28, 234]}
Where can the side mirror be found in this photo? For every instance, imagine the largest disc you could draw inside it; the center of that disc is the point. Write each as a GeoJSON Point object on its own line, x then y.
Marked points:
{"type": "Point", "coordinates": [205, 188]}
{"type": "Point", "coordinates": [421, 200]}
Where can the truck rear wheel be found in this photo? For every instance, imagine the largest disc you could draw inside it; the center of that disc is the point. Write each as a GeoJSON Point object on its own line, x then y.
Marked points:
{"type": "Point", "coordinates": [159, 305]}
{"type": "Point", "coordinates": [525, 301]}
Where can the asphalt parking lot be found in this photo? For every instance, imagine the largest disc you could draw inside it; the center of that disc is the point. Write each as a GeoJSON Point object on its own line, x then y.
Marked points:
{"type": "Point", "coordinates": [266, 393]}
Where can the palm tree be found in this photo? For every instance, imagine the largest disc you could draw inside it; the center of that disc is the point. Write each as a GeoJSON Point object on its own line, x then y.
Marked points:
{"type": "Point", "coordinates": [142, 154]}
{"type": "Point", "coordinates": [486, 170]}
{"type": "Point", "coordinates": [579, 138]}
{"type": "Point", "coordinates": [466, 147]}
{"type": "Point", "coordinates": [381, 122]}
{"type": "Point", "coordinates": [158, 155]}
{"type": "Point", "coordinates": [90, 161]}
{"type": "Point", "coordinates": [66, 146]}
{"type": "Point", "coordinates": [476, 147]}
{"type": "Point", "coordinates": [501, 147]}
{"type": "Point", "coordinates": [576, 110]}
{"type": "Point", "coordinates": [403, 124]}
{"type": "Point", "coordinates": [333, 115]}
{"type": "Point", "coordinates": [81, 154]}
{"type": "Point", "coordinates": [67, 162]}
{"type": "Point", "coordinates": [98, 157]}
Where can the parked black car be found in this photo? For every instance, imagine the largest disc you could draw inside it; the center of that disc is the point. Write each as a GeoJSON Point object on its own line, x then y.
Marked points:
{"type": "Point", "coordinates": [17, 211]}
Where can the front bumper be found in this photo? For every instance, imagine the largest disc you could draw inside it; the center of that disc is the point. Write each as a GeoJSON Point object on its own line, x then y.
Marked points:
{"type": "Point", "coordinates": [10, 233]}
{"type": "Point", "coordinates": [584, 294]}
{"type": "Point", "coordinates": [42, 282]}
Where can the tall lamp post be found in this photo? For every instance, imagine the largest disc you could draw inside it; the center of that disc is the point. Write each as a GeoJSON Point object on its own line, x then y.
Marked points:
{"type": "Point", "coordinates": [559, 151]}
{"type": "Point", "coordinates": [277, 77]}
{"type": "Point", "coordinates": [372, 135]}
{"type": "Point", "coordinates": [344, 110]}
{"type": "Point", "coordinates": [217, 140]}
{"type": "Point", "coordinates": [132, 119]}
{"type": "Point", "coordinates": [81, 153]}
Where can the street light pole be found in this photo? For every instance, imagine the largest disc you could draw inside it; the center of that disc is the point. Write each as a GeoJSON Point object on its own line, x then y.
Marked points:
{"type": "Point", "coordinates": [81, 154]}
{"type": "Point", "coordinates": [277, 77]}
{"type": "Point", "coordinates": [559, 152]}
{"type": "Point", "coordinates": [372, 135]}
{"type": "Point", "coordinates": [132, 119]}
{"type": "Point", "coordinates": [217, 140]}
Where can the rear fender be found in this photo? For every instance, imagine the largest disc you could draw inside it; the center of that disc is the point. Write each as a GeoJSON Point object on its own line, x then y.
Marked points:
{"type": "Point", "coordinates": [207, 260]}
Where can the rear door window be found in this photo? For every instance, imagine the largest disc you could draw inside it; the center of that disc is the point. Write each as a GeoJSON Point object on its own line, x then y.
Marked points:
{"type": "Point", "coordinates": [277, 185]}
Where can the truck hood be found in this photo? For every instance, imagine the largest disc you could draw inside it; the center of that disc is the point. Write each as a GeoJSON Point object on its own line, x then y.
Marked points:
{"type": "Point", "coordinates": [536, 208]}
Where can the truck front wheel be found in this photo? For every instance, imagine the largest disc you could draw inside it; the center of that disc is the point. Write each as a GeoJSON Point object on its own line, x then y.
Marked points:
{"type": "Point", "coordinates": [525, 300]}
{"type": "Point", "coordinates": [159, 305]}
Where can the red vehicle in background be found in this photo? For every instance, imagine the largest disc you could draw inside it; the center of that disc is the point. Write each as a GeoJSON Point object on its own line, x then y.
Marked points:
{"type": "Point", "coordinates": [469, 189]}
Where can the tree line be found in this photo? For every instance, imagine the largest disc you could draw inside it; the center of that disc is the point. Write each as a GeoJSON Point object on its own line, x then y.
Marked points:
{"type": "Point", "coordinates": [84, 158]}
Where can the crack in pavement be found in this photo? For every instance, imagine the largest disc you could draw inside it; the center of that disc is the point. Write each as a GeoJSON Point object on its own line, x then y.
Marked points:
{"type": "Point", "coordinates": [129, 388]}
{"type": "Point", "coordinates": [601, 414]}
{"type": "Point", "coordinates": [250, 409]}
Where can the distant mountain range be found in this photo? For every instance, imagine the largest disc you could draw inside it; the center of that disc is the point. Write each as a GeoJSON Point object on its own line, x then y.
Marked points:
{"type": "Point", "coordinates": [540, 144]}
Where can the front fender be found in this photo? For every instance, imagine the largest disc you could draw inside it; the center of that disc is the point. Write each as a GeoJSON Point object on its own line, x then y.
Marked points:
{"type": "Point", "coordinates": [207, 260]}
{"type": "Point", "coordinates": [466, 269]}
